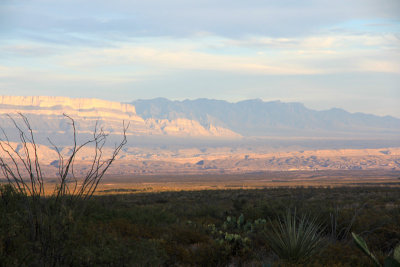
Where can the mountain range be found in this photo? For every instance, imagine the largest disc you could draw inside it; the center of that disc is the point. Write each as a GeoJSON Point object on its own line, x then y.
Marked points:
{"type": "Point", "coordinates": [258, 118]}
{"type": "Point", "coordinates": [200, 118]}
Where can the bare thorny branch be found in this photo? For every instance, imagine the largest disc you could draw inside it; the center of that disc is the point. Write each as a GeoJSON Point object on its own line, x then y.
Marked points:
{"type": "Point", "coordinates": [28, 161]}
{"type": "Point", "coordinates": [69, 185]}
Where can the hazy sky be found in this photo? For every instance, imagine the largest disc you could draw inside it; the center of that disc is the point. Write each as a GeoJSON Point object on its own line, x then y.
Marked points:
{"type": "Point", "coordinates": [322, 53]}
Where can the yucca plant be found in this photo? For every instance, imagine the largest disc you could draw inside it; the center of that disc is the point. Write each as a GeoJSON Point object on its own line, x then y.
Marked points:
{"type": "Point", "coordinates": [295, 239]}
{"type": "Point", "coordinates": [392, 260]}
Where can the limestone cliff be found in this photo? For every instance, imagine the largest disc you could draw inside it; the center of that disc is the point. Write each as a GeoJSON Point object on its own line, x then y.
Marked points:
{"type": "Point", "coordinates": [45, 114]}
{"type": "Point", "coordinates": [74, 103]}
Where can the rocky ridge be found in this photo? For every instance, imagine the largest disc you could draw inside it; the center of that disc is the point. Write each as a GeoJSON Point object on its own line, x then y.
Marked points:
{"type": "Point", "coordinates": [256, 117]}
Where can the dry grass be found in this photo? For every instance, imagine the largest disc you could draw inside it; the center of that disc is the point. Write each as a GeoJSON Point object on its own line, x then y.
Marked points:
{"type": "Point", "coordinates": [162, 183]}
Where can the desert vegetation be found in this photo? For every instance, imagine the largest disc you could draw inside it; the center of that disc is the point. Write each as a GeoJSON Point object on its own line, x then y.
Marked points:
{"type": "Point", "coordinates": [210, 228]}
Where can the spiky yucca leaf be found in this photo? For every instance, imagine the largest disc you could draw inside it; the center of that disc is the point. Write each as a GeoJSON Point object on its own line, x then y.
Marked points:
{"type": "Point", "coordinates": [360, 242]}
{"type": "Point", "coordinates": [394, 259]}
{"type": "Point", "coordinates": [295, 239]}
{"type": "Point", "coordinates": [396, 253]}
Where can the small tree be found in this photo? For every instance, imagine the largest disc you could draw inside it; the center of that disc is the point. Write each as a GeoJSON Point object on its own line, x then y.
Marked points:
{"type": "Point", "coordinates": [52, 217]}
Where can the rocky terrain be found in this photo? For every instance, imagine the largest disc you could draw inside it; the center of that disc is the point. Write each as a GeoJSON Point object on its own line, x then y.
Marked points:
{"type": "Point", "coordinates": [223, 161]}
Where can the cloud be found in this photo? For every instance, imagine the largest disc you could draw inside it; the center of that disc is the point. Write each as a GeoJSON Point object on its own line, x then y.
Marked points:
{"type": "Point", "coordinates": [28, 50]}
{"type": "Point", "coordinates": [168, 61]}
{"type": "Point", "coordinates": [232, 19]}
{"type": "Point", "coordinates": [321, 41]}
{"type": "Point", "coordinates": [255, 55]}
{"type": "Point", "coordinates": [25, 75]}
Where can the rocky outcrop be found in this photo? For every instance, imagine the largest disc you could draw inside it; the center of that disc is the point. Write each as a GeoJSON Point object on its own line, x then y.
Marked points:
{"type": "Point", "coordinates": [186, 127]}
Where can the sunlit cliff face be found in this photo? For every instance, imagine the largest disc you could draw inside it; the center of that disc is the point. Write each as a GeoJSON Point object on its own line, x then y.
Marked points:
{"type": "Point", "coordinates": [45, 114]}
{"type": "Point", "coordinates": [80, 107]}
{"type": "Point", "coordinates": [74, 103]}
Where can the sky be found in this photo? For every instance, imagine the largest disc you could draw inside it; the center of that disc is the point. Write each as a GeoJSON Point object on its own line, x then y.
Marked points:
{"type": "Point", "coordinates": [325, 54]}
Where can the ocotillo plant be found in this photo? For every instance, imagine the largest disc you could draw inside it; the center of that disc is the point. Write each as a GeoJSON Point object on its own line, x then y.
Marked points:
{"type": "Point", "coordinates": [51, 218]}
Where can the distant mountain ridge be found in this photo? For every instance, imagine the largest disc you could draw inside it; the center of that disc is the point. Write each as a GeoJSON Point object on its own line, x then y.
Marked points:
{"type": "Point", "coordinates": [258, 118]}
{"type": "Point", "coordinates": [200, 118]}
{"type": "Point", "coordinates": [45, 114]}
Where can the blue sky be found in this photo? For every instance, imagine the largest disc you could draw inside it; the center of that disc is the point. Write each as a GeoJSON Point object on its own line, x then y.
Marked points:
{"type": "Point", "coordinates": [322, 53]}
